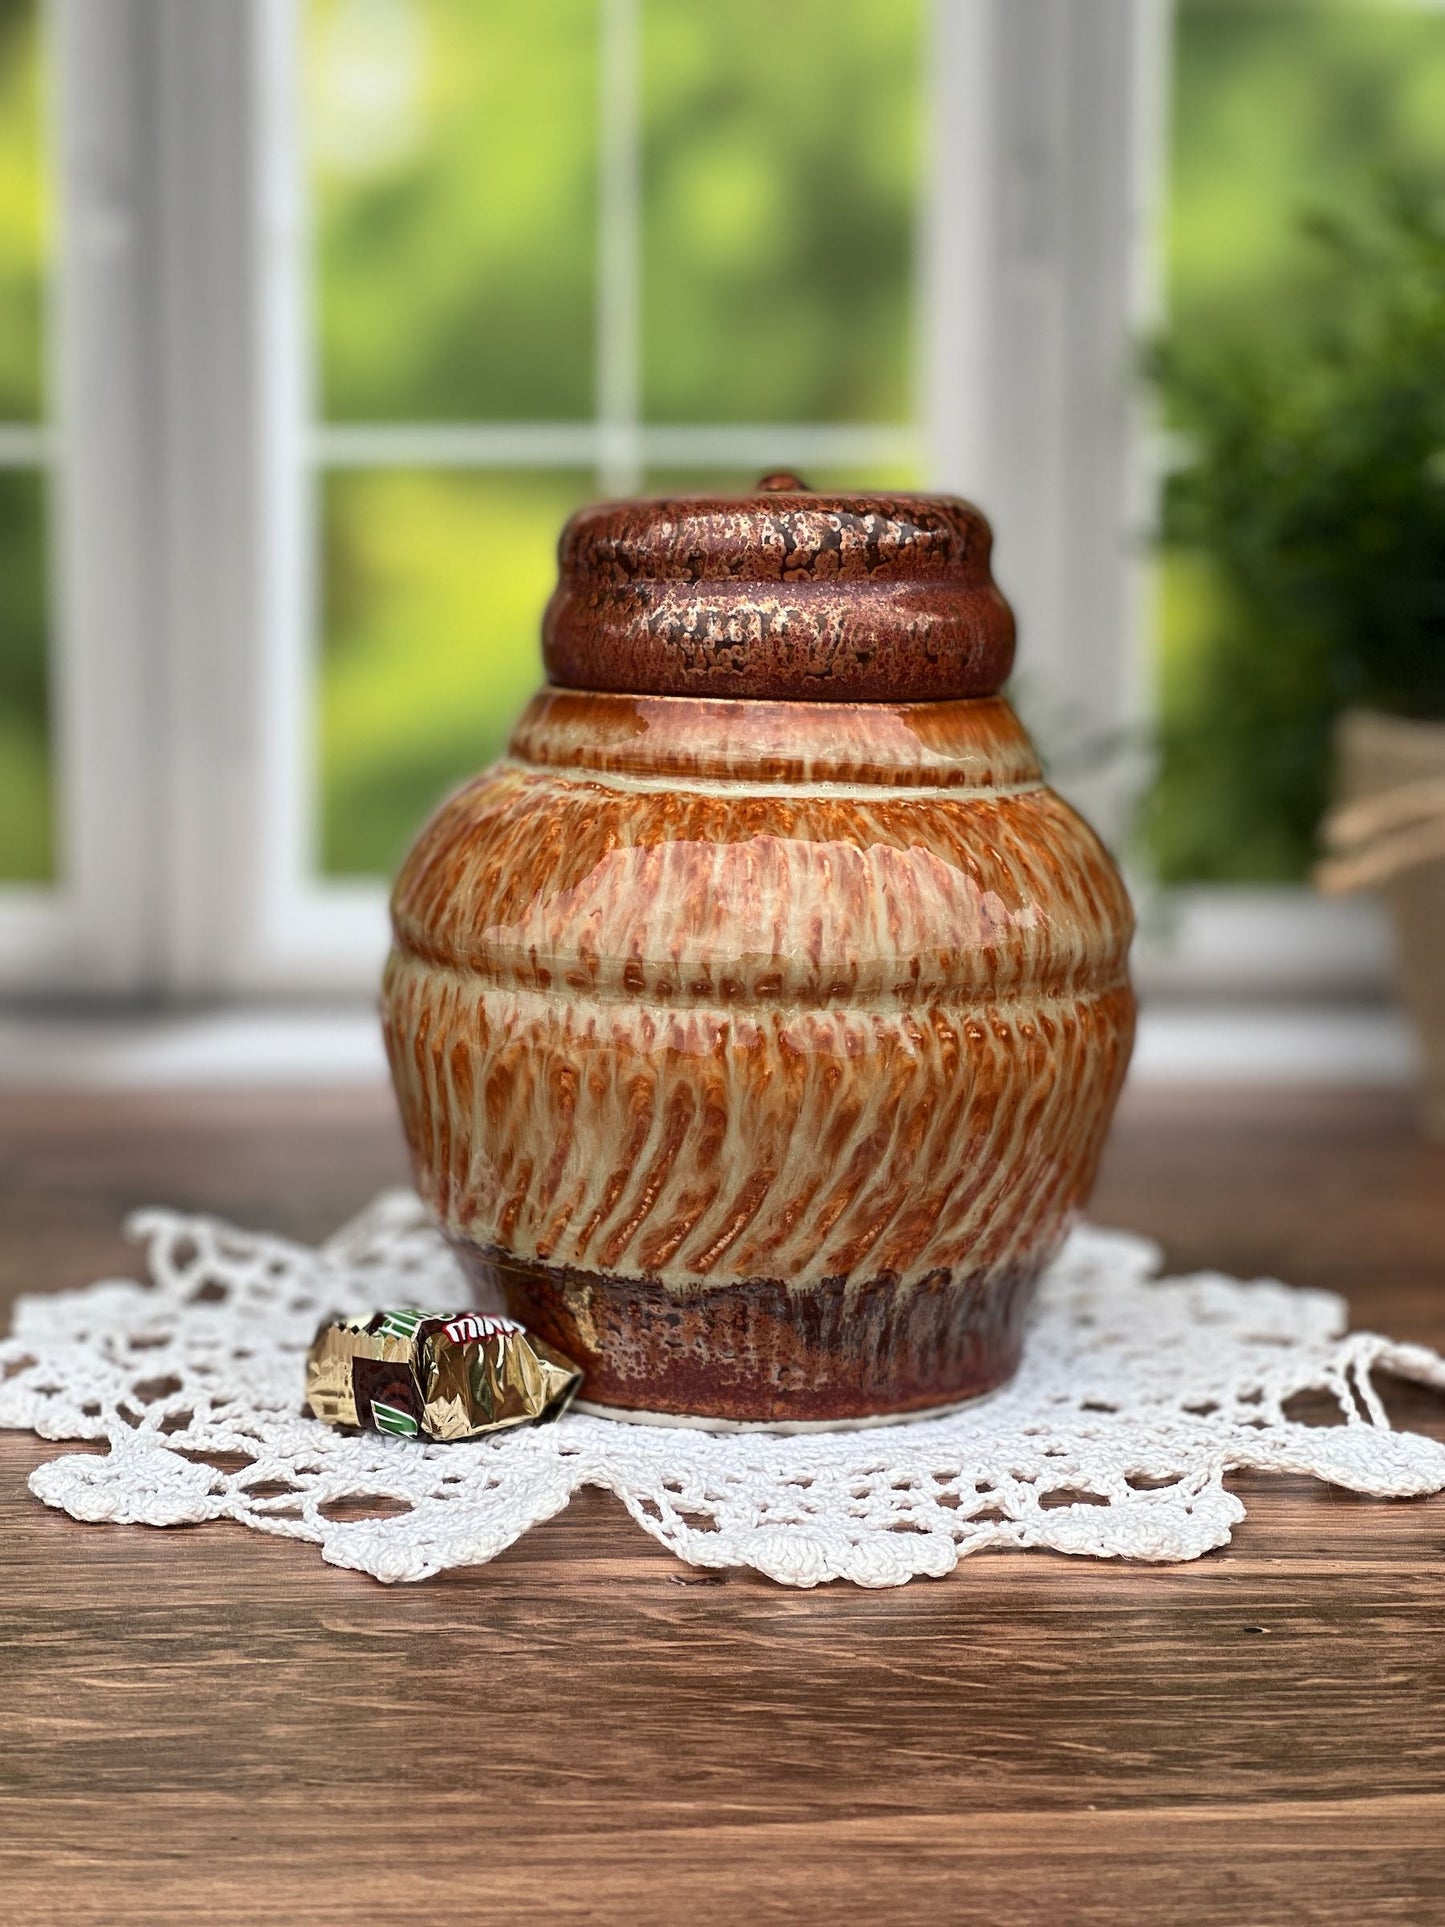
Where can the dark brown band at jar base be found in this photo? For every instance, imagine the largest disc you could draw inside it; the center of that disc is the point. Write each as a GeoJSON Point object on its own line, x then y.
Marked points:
{"type": "Point", "coordinates": [758, 1352]}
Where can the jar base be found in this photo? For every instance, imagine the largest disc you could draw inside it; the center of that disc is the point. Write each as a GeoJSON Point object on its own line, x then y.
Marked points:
{"type": "Point", "coordinates": [780, 1427]}
{"type": "Point", "coordinates": [761, 1354]}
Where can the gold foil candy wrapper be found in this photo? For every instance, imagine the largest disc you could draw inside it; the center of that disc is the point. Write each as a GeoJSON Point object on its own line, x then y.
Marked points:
{"type": "Point", "coordinates": [435, 1375]}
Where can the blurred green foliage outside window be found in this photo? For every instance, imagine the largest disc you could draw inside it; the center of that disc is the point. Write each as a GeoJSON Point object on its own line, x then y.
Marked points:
{"type": "Point", "coordinates": [780, 192]}
{"type": "Point", "coordinates": [1304, 369]}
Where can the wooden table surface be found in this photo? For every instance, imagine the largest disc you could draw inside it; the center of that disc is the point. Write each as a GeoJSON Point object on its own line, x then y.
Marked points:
{"type": "Point", "coordinates": [204, 1724]}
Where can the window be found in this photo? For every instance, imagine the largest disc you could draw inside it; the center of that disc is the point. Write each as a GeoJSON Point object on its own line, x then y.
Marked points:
{"type": "Point", "coordinates": [355, 299]}
{"type": "Point", "coordinates": [658, 257]}
{"type": "Point", "coordinates": [672, 257]}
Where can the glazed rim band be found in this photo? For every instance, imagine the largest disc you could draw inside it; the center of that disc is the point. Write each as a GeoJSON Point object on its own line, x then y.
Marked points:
{"type": "Point", "coordinates": [969, 744]}
{"type": "Point", "coordinates": [780, 595]}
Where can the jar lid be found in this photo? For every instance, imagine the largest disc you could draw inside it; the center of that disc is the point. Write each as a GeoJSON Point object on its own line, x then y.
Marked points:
{"type": "Point", "coordinates": [782, 594]}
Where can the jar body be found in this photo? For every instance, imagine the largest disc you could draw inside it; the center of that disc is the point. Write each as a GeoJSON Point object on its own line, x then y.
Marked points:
{"type": "Point", "coordinates": [758, 1053]}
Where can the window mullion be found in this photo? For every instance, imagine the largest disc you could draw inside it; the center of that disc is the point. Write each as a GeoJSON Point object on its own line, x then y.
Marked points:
{"type": "Point", "coordinates": [956, 244]}
{"type": "Point", "coordinates": [619, 221]}
{"type": "Point", "coordinates": [227, 497]}
{"type": "Point", "coordinates": [1038, 257]}
{"type": "Point", "coordinates": [106, 688]}
{"type": "Point", "coordinates": [172, 513]}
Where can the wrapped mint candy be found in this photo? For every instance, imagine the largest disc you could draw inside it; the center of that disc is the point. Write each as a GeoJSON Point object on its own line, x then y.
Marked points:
{"type": "Point", "coordinates": [435, 1375]}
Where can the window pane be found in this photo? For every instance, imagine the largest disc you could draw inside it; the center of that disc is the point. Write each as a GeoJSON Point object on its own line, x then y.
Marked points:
{"type": "Point", "coordinates": [780, 177]}
{"type": "Point", "coordinates": [434, 590]}
{"type": "Point", "coordinates": [1283, 111]}
{"type": "Point", "coordinates": [25, 791]}
{"type": "Point", "coordinates": [453, 152]}
{"type": "Point", "coordinates": [23, 213]}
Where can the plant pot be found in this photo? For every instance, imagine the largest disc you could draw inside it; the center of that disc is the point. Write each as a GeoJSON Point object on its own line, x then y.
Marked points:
{"type": "Point", "coordinates": [757, 1021]}
{"type": "Point", "coordinates": [1395, 768]}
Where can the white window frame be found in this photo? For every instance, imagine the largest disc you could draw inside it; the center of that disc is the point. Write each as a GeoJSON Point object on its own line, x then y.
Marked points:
{"type": "Point", "coordinates": [184, 457]}
{"type": "Point", "coordinates": [85, 933]}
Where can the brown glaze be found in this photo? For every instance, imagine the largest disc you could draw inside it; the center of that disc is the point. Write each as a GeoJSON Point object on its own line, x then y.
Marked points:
{"type": "Point", "coordinates": [761, 1049]}
{"type": "Point", "coordinates": [874, 1346]}
{"type": "Point", "coordinates": [781, 594]}
{"type": "Point", "coordinates": [977, 745]}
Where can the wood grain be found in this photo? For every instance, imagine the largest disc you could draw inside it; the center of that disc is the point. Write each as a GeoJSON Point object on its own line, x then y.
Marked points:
{"type": "Point", "coordinates": [205, 1724]}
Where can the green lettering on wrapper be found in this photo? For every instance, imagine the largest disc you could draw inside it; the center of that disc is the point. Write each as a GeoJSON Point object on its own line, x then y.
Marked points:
{"type": "Point", "coordinates": [401, 1324]}
{"type": "Point", "coordinates": [390, 1418]}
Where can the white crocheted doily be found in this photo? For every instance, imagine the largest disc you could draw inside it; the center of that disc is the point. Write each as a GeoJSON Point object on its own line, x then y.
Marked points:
{"type": "Point", "coordinates": [1136, 1396]}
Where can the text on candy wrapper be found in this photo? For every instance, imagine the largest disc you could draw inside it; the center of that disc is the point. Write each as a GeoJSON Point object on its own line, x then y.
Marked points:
{"type": "Point", "coordinates": [472, 1325]}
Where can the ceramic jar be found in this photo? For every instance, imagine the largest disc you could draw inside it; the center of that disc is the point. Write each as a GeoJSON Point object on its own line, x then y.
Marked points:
{"type": "Point", "coordinates": [757, 1021]}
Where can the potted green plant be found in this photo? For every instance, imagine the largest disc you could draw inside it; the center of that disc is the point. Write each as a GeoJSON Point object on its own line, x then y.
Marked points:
{"type": "Point", "coordinates": [1313, 480]}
